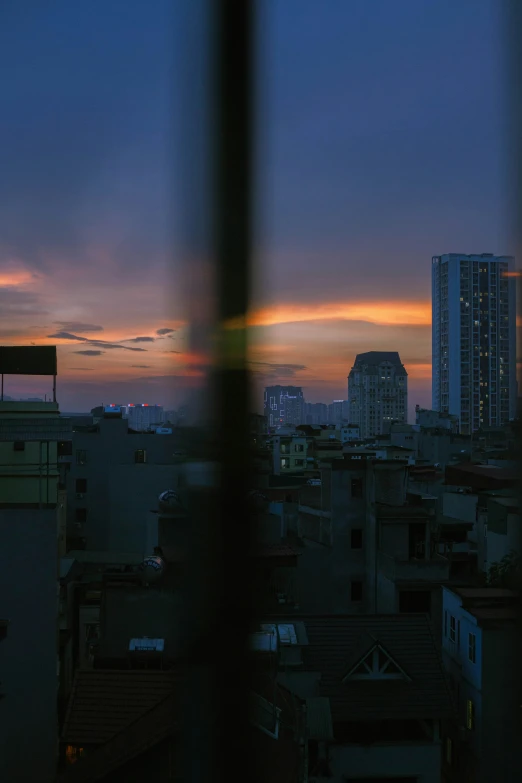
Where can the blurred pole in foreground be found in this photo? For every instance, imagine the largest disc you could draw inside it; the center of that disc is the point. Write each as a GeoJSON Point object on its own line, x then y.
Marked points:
{"type": "Point", "coordinates": [219, 158]}
{"type": "Point", "coordinates": [512, 10]}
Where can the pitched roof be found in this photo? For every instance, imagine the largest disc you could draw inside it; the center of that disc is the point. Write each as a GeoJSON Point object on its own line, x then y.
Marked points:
{"type": "Point", "coordinates": [333, 642]}
{"type": "Point", "coordinates": [155, 725]}
{"type": "Point", "coordinates": [105, 701]}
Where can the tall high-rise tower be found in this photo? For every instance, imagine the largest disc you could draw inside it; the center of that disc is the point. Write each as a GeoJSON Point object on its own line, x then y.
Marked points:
{"type": "Point", "coordinates": [377, 392]}
{"type": "Point", "coordinates": [474, 339]}
{"type": "Point", "coordinates": [284, 405]}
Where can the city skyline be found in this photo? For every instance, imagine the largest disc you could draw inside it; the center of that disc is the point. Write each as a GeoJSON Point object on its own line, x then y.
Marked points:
{"type": "Point", "coordinates": [346, 226]}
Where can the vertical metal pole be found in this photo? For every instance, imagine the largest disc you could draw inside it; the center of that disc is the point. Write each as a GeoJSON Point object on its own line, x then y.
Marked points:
{"type": "Point", "coordinates": [54, 388]}
{"type": "Point", "coordinates": [219, 599]}
{"type": "Point", "coordinates": [2, 387]}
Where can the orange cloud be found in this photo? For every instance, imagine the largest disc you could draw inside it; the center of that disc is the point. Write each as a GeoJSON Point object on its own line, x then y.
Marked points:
{"type": "Point", "coordinates": [16, 277]}
{"type": "Point", "coordinates": [382, 313]}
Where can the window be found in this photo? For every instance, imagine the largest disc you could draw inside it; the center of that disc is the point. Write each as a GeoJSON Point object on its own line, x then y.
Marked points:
{"type": "Point", "coordinates": [445, 623]}
{"type": "Point", "coordinates": [357, 488]}
{"type": "Point", "coordinates": [470, 715]}
{"type": "Point", "coordinates": [417, 601]}
{"type": "Point", "coordinates": [81, 485]}
{"type": "Point", "coordinates": [453, 628]}
{"type": "Point", "coordinates": [81, 456]}
{"type": "Point", "coordinates": [81, 515]}
{"type": "Point", "coordinates": [299, 463]}
{"type": "Point", "coordinates": [356, 538]}
{"type": "Point", "coordinates": [472, 647]}
{"type": "Point", "coordinates": [299, 447]}
{"type": "Point", "coordinates": [65, 448]}
{"type": "Point", "coordinates": [140, 455]}
{"type": "Point", "coordinates": [356, 591]}
{"type": "Point", "coordinates": [19, 445]}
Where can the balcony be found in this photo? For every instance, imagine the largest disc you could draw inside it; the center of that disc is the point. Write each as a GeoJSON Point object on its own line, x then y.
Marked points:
{"type": "Point", "coordinates": [433, 569]}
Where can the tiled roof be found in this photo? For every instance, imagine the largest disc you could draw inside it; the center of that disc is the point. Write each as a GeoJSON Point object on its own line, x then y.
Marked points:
{"type": "Point", "coordinates": [408, 639]}
{"type": "Point", "coordinates": [105, 701]}
{"type": "Point", "coordinates": [143, 733]}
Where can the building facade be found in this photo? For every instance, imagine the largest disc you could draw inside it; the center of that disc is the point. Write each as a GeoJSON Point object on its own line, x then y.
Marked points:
{"type": "Point", "coordinates": [115, 476]}
{"type": "Point", "coordinates": [377, 392]}
{"type": "Point", "coordinates": [480, 652]}
{"type": "Point", "coordinates": [143, 417]}
{"type": "Point", "coordinates": [34, 441]}
{"type": "Point", "coordinates": [316, 413]}
{"type": "Point", "coordinates": [474, 339]}
{"type": "Point", "coordinates": [284, 405]}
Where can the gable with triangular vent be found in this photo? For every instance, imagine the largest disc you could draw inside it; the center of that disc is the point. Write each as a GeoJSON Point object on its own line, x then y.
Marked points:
{"type": "Point", "coordinates": [376, 664]}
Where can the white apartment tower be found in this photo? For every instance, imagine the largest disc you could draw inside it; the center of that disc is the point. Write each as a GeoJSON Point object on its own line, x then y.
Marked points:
{"type": "Point", "coordinates": [474, 339]}
{"type": "Point", "coordinates": [377, 392]}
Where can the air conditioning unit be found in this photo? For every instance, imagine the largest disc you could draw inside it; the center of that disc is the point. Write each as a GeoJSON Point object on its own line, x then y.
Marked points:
{"type": "Point", "coordinates": [80, 496]}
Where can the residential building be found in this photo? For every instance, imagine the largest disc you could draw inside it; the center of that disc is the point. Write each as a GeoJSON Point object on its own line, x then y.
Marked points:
{"type": "Point", "coordinates": [290, 452]}
{"type": "Point", "coordinates": [316, 413]}
{"type": "Point", "coordinates": [375, 694]}
{"type": "Point", "coordinates": [435, 420]}
{"type": "Point", "coordinates": [481, 653]}
{"type": "Point", "coordinates": [350, 433]}
{"type": "Point", "coordinates": [284, 405]}
{"type": "Point", "coordinates": [143, 417]}
{"type": "Point", "coordinates": [474, 339]}
{"type": "Point", "coordinates": [367, 545]}
{"type": "Point", "coordinates": [377, 392]}
{"type": "Point", "coordinates": [115, 477]}
{"type": "Point", "coordinates": [338, 412]}
{"type": "Point", "coordinates": [34, 439]}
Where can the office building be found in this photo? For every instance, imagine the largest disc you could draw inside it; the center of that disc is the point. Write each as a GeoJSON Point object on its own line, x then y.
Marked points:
{"type": "Point", "coordinates": [377, 392]}
{"type": "Point", "coordinates": [316, 413]}
{"type": "Point", "coordinates": [143, 417]}
{"type": "Point", "coordinates": [338, 412]}
{"type": "Point", "coordinates": [473, 354]}
{"type": "Point", "coordinates": [284, 405]}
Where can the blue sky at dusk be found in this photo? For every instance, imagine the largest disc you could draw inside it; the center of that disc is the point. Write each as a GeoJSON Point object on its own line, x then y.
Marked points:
{"type": "Point", "coordinates": [381, 143]}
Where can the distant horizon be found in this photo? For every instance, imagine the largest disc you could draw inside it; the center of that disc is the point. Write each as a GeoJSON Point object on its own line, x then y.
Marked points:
{"type": "Point", "coordinates": [367, 167]}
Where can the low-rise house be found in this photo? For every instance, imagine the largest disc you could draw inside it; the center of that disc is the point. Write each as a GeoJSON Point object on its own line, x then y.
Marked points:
{"type": "Point", "coordinates": [481, 652]}
{"type": "Point", "coordinates": [375, 693]}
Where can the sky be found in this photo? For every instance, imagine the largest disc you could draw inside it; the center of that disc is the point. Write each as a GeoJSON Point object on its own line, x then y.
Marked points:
{"type": "Point", "coordinates": [381, 141]}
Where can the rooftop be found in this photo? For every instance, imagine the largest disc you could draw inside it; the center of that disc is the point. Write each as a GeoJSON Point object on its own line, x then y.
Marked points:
{"type": "Point", "coordinates": [338, 643]}
{"type": "Point", "coordinates": [402, 512]}
{"type": "Point", "coordinates": [104, 702]}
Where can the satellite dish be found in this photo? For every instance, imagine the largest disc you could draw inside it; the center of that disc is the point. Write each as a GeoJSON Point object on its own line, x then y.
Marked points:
{"type": "Point", "coordinates": [169, 500]}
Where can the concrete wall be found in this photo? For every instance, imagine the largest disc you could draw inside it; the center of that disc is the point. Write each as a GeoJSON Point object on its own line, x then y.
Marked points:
{"type": "Point", "coordinates": [501, 756]}
{"type": "Point", "coordinates": [33, 473]}
{"type": "Point", "coordinates": [325, 573]}
{"type": "Point", "coordinates": [419, 761]}
{"type": "Point", "coordinates": [460, 506]}
{"type": "Point", "coordinates": [394, 539]}
{"type": "Point", "coordinates": [140, 612]}
{"type": "Point", "coordinates": [120, 492]}
{"type": "Point", "coordinates": [28, 655]}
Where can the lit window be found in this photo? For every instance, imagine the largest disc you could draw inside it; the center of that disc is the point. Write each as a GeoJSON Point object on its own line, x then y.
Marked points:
{"type": "Point", "coordinates": [472, 647]}
{"type": "Point", "coordinates": [470, 715]}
